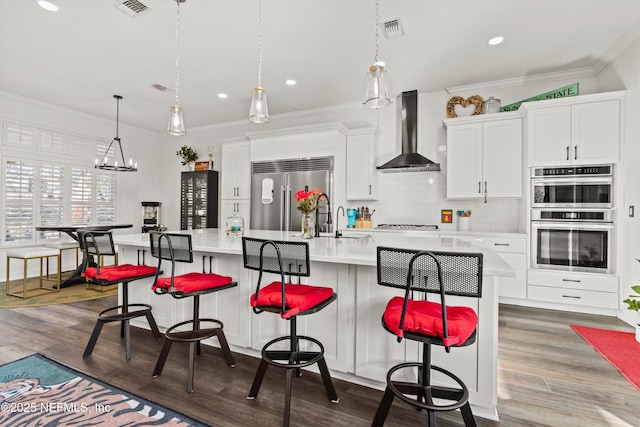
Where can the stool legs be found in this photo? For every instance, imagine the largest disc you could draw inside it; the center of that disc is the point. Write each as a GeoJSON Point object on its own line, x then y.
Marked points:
{"type": "Point", "coordinates": [124, 317]}
{"type": "Point", "coordinates": [193, 337]}
{"type": "Point", "coordinates": [292, 360]}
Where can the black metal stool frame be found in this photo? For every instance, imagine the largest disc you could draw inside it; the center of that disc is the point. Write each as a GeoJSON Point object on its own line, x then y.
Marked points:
{"type": "Point", "coordinates": [100, 243]}
{"type": "Point", "coordinates": [293, 358]}
{"type": "Point", "coordinates": [198, 333]}
{"type": "Point", "coordinates": [431, 281]}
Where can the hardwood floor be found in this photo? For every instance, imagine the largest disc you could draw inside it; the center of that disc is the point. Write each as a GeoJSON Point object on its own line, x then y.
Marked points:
{"type": "Point", "coordinates": [548, 375]}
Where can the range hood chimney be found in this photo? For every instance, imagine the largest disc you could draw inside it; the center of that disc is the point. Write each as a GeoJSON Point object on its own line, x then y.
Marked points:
{"type": "Point", "coordinates": [409, 160]}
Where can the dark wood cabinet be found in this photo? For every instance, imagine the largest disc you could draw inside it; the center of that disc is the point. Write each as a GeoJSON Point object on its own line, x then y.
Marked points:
{"type": "Point", "coordinates": [199, 200]}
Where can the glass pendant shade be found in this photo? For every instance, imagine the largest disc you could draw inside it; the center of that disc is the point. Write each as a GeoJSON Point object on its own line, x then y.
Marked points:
{"type": "Point", "coordinates": [377, 93]}
{"type": "Point", "coordinates": [176, 122]}
{"type": "Point", "coordinates": [259, 111]}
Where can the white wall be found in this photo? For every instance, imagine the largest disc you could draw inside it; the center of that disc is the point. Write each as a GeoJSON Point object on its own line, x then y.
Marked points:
{"type": "Point", "coordinates": [624, 73]}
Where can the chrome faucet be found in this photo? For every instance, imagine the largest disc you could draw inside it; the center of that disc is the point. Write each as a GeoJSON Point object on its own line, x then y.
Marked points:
{"type": "Point", "coordinates": [338, 232]}
{"type": "Point", "coordinates": [327, 213]}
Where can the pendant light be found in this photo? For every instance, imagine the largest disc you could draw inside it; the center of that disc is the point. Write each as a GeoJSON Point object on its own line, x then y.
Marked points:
{"type": "Point", "coordinates": [176, 120]}
{"type": "Point", "coordinates": [123, 167]}
{"type": "Point", "coordinates": [259, 111]}
{"type": "Point", "coordinates": [377, 93]}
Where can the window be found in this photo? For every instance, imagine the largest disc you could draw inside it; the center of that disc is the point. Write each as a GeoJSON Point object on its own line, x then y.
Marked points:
{"type": "Point", "coordinates": [48, 178]}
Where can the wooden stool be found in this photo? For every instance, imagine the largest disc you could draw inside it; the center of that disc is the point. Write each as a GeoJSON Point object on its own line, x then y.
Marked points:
{"type": "Point", "coordinates": [26, 254]}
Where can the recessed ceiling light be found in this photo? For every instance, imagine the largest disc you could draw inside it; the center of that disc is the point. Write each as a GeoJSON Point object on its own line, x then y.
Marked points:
{"type": "Point", "coordinates": [496, 40]}
{"type": "Point", "coordinates": [291, 82]}
{"type": "Point", "coordinates": [47, 5]}
{"type": "Point", "coordinates": [223, 96]}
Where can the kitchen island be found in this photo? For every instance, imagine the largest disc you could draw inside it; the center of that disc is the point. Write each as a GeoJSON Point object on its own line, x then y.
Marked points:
{"type": "Point", "coordinates": [357, 348]}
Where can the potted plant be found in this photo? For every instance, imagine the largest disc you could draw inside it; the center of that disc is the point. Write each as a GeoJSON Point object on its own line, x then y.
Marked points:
{"type": "Point", "coordinates": [188, 155]}
{"type": "Point", "coordinates": [633, 304]}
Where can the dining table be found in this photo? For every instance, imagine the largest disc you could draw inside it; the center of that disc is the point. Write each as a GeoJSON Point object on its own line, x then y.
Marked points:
{"type": "Point", "coordinates": [74, 231]}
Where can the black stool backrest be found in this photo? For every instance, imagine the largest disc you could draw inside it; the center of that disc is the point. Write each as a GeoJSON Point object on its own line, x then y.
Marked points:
{"type": "Point", "coordinates": [96, 243]}
{"type": "Point", "coordinates": [270, 256]}
{"type": "Point", "coordinates": [460, 273]}
{"type": "Point", "coordinates": [283, 258]}
{"type": "Point", "coordinates": [171, 246]}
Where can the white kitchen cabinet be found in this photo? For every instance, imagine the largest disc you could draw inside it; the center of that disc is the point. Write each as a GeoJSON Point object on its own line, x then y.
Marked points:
{"type": "Point", "coordinates": [581, 130]}
{"type": "Point", "coordinates": [513, 250]}
{"type": "Point", "coordinates": [484, 157]}
{"type": "Point", "coordinates": [230, 206]}
{"type": "Point", "coordinates": [362, 154]}
{"type": "Point", "coordinates": [574, 289]}
{"type": "Point", "coordinates": [236, 174]}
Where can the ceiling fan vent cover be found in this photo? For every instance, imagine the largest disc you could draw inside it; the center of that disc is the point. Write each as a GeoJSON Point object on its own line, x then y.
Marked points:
{"type": "Point", "coordinates": [392, 28]}
{"type": "Point", "coordinates": [133, 7]}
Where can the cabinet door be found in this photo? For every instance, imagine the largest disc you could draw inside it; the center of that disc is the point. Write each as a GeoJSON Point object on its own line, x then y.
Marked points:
{"type": "Point", "coordinates": [502, 158]}
{"type": "Point", "coordinates": [243, 167]}
{"type": "Point", "coordinates": [229, 171]}
{"type": "Point", "coordinates": [229, 207]}
{"type": "Point", "coordinates": [464, 161]}
{"type": "Point", "coordinates": [549, 136]}
{"type": "Point", "coordinates": [361, 168]}
{"type": "Point", "coordinates": [596, 132]}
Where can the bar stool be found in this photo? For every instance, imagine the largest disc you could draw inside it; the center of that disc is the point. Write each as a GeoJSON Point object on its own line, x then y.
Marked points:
{"type": "Point", "coordinates": [98, 244]}
{"type": "Point", "coordinates": [26, 254]}
{"type": "Point", "coordinates": [177, 248]}
{"type": "Point", "coordinates": [432, 323]}
{"type": "Point", "coordinates": [289, 301]}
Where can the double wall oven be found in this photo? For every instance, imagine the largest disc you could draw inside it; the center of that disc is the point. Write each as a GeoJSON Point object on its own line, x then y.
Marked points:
{"type": "Point", "coordinates": [572, 218]}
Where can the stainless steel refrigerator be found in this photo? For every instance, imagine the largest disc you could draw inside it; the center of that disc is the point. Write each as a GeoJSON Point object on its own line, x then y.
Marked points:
{"type": "Point", "coordinates": [273, 188]}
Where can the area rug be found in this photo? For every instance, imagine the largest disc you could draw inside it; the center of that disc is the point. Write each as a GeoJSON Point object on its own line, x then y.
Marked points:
{"type": "Point", "coordinates": [36, 390]}
{"type": "Point", "coordinates": [69, 294]}
{"type": "Point", "coordinates": [619, 348]}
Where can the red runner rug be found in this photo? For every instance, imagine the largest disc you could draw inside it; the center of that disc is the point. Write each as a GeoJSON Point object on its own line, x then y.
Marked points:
{"type": "Point", "coordinates": [620, 348]}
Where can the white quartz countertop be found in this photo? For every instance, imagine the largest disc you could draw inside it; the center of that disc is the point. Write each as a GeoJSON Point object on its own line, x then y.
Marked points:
{"type": "Point", "coordinates": [346, 250]}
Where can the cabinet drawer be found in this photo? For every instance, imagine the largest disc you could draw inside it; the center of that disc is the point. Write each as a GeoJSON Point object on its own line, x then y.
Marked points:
{"type": "Point", "coordinates": [573, 296]}
{"type": "Point", "coordinates": [506, 244]}
{"type": "Point", "coordinates": [578, 281]}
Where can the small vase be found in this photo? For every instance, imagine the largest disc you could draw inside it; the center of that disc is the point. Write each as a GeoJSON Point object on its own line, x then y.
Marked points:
{"type": "Point", "coordinates": [307, 226]}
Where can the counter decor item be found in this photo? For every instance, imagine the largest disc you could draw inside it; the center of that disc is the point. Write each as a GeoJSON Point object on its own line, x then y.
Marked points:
{"type": "Point", "coordinates": [464, 220]}
{"type": "Point", "coordinates": [307, 204]}
{"type": "Point", "coordinates": [562, 92]}
{"type": "Point", "coordinates": [491, 105]}
{"type": "Point", "coordinates": [187, 154]}
{"type": "Point", "coordinates": [235, 225]}
{"type": "Point", "coordinates": [458, 100]}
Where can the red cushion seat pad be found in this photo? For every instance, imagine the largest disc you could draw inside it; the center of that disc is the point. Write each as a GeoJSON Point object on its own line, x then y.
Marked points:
{"type": "Point", "coordinates": [425, 318]}
{"type": "Point", "coordinates": [115, 273]}
{"type": "Point", "coordinates": [193, 282]}
{"type": "Point", "coordinates": [298, 298]}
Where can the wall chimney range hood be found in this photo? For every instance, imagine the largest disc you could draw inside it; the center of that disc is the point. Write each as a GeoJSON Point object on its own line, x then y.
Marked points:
{"type": "Point", "coordinates": [410, 160]}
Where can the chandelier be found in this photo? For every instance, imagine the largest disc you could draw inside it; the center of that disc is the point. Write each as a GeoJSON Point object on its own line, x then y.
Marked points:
{"type": "Point", "coordinates": [117, 149]}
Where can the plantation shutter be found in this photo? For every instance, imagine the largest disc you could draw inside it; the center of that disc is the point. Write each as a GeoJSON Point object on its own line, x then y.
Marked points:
{"type": "Point", "coordinates": [81, 190]}
{"type": "Point", "coordinates": [52, 192]}
{"type": "Point", "coordinates": [106, 194]}
{"type": "Point", "coordinates": [19, 199]}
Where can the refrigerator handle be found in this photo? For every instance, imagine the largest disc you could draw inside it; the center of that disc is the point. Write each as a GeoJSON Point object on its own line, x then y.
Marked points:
{"type": "Point", "coordinates": [287, 208]}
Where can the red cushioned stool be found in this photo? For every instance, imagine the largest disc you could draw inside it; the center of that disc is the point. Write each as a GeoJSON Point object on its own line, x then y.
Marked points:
{"type": "Point", "coordinates": [432, 323]}
{"type": "Point", "coordinates": [177, 248]}
{"type": "Point", "coordinates": [98, 244]}
{"type": "Point", "coordinates": [289, 301]}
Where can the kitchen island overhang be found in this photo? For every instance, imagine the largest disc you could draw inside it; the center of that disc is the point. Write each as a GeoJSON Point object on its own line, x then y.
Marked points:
{"type": "Point", "coordinates": [357, 348]}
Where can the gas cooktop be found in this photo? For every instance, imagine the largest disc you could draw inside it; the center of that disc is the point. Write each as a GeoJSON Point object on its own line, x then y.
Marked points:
{"type": "Point", "coordinates": [419, 227]}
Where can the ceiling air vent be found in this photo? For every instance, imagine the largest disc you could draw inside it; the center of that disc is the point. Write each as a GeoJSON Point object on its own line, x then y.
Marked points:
{"type": "Point", "coordinates": [392, 28]}
{"type": "Point", "coordinates": [133, 7]}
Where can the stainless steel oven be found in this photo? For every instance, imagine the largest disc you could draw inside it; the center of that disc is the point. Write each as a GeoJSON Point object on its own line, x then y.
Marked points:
{"type": "Point", "coordinates": [572, 239]}
{"type": "Point", "coordinates": [572, 187]}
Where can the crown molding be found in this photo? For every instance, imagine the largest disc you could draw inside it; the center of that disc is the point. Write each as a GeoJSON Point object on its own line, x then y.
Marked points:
{"type": "Point", "coordinates": [524, 80]}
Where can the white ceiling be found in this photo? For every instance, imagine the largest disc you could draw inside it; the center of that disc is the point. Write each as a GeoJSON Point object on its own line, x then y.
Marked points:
{"type": "Point", "coordinates": [89, 50]}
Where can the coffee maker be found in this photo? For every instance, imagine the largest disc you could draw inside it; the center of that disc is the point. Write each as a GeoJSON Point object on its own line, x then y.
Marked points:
{"type": "Point", "coordinates": [151, 216]}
